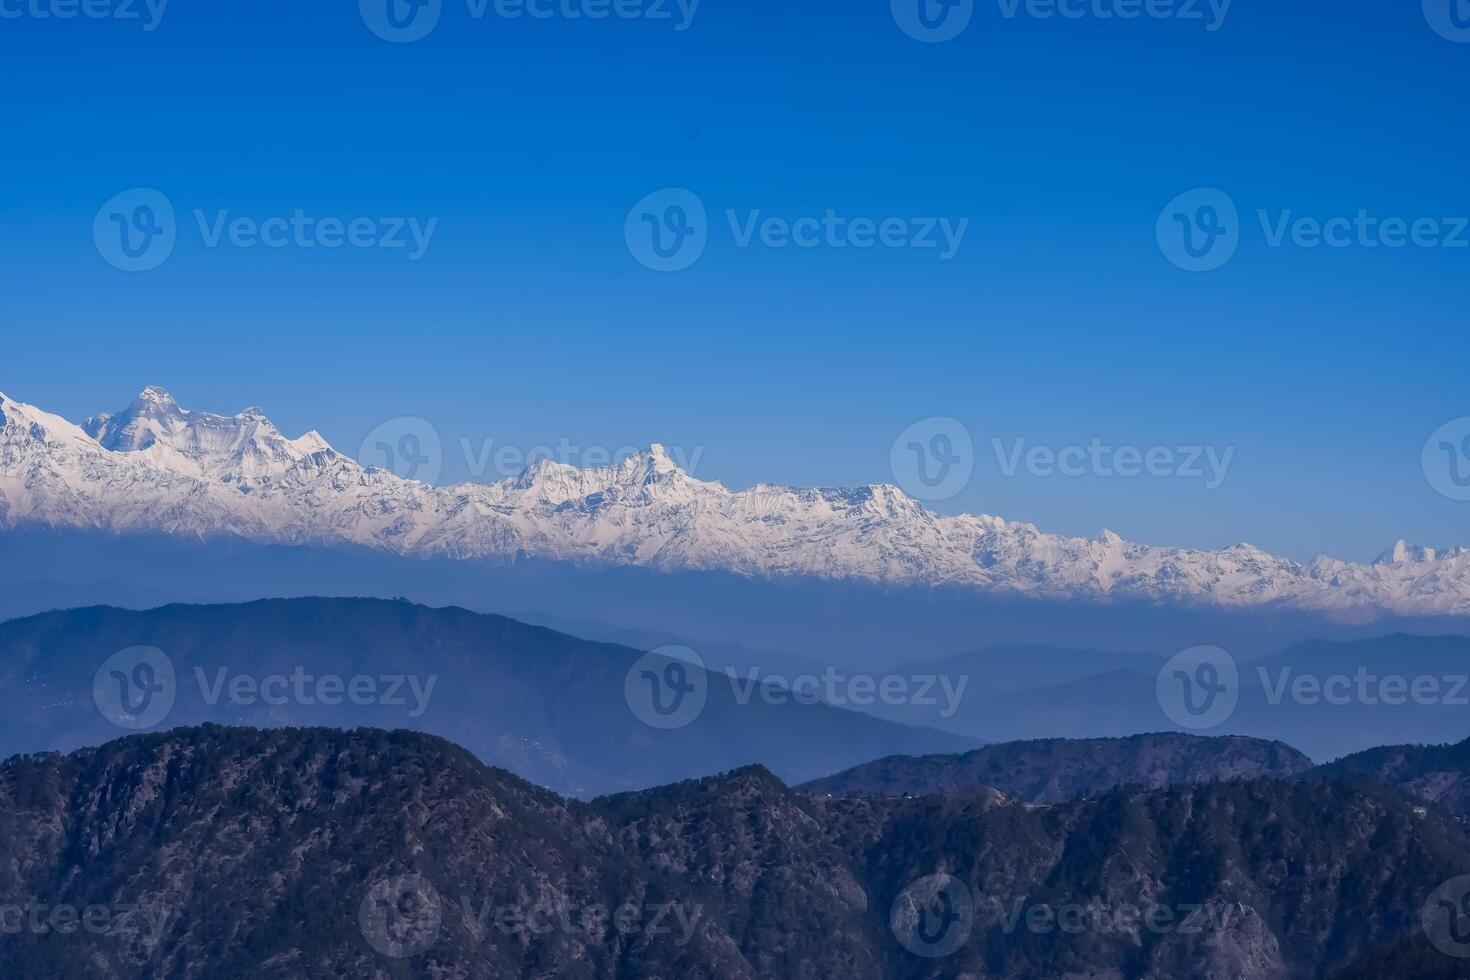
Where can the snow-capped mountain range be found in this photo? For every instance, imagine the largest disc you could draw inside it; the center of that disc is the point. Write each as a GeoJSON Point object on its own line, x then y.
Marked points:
{"type": "Point", "coordinates": [156, 467]}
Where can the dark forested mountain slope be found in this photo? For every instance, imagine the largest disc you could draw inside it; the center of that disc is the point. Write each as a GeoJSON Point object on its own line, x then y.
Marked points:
{"type": "Point", "coordinates": [254, 853]}
{"type": "Point", "coordinates": [1437, 773]}
{"type": "Point", "coordinates": [321, 853]}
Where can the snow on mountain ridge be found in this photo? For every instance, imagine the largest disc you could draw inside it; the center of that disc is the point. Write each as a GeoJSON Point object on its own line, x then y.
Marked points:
{"type": "Point", "coordinates": [247, 442]}
{"type": "Point", "coordinates": [158, 467]}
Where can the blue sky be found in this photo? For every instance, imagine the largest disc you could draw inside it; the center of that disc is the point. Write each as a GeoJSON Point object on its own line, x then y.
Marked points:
{"type": "Point", "coordinates": [528, 321]}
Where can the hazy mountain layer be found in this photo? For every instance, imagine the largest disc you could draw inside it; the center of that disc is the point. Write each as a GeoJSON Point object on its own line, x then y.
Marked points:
{"type": "Point", "coordinates": [548, 706]}
{"type": "Point", "coordinates": [1058, 770]}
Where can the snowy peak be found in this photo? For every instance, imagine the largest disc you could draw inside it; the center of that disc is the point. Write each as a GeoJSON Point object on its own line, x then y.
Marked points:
{"type": "Point", "coordinates": [652, 465]}
{"type": "Point", "coordinates": [650, 474]}
{"type": "Point", "coordinates": [1405, 552]}
{"type": "Point", "coordinates": [656, 459]}
{"type": "Point", "coordinates": [159, 468]}
{"type": "Point", "coordinates": [23, 424]}
{"type": "Point", "coordinates": [247, 443]}
{"type": "Point", "coordinates": [155, 398]}
{"type": "Point", "coordinates": [153, 416]}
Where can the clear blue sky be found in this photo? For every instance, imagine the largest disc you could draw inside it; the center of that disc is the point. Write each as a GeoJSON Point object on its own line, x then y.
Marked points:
{"type": "Point", "coordinates": [528, 321]}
